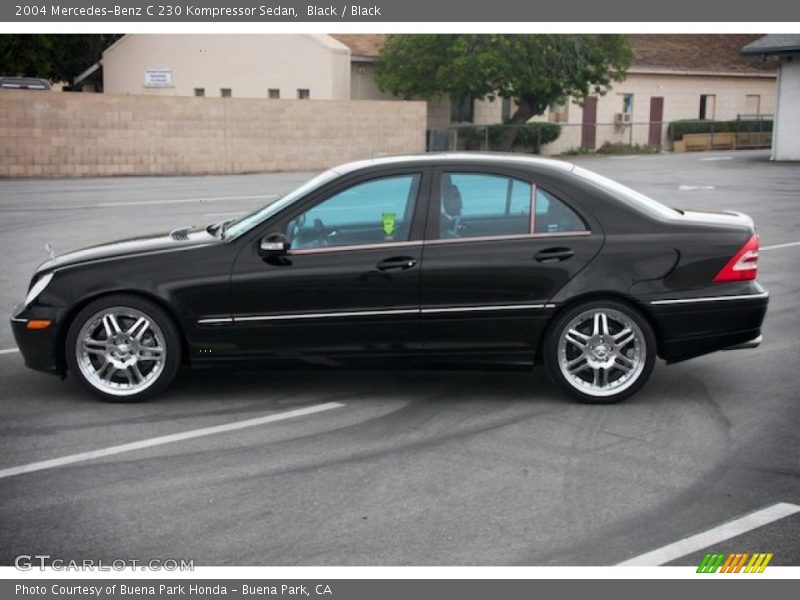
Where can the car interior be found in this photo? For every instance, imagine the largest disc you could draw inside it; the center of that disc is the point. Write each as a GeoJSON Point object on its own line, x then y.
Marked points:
{"type": "Point", "coordinates": [471, 205]}
{"type": "Point", "coordinates": [373, 212]}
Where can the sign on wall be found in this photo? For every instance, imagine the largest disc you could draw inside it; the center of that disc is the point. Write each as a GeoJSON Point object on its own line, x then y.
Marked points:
{"type": "Point", "coordinates": [158, 77]}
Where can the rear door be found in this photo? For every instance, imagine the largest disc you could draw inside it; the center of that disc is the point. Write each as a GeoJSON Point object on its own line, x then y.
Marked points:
{"type": "Point", "coordinates": [497, 248]}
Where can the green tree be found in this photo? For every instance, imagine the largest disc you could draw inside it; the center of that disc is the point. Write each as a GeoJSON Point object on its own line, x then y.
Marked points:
{"type": "Point", "coordinates": [533, 70]}
{"type": "Point", "coordinates": [57, 57]}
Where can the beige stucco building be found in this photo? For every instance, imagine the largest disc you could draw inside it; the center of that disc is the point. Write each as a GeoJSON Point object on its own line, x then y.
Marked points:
{"type": "Point", "coordinates": [671, 77]}
{"type": "Point", "coordinates": [241, 66]}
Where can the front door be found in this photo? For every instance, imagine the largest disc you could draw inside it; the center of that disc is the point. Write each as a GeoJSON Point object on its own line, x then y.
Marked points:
{"type": "Point", "coordinates": [350, 281]}
{"type": "Point", "coordinates": [497, 248]}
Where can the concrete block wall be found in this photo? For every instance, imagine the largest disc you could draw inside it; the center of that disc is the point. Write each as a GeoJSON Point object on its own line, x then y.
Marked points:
{"type": "Point", "coordinates": [52, 134]}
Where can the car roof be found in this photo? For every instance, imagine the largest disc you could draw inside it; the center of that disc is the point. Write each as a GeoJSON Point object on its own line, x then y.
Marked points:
{"type": "Point", "coordinates": [450, 158]}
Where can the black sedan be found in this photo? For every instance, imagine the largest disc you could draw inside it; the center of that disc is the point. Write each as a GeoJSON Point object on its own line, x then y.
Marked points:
{"type": "Point", "coordinates": [443, 259]}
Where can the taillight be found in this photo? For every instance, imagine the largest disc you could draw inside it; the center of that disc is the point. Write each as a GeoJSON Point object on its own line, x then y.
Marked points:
{"type": "Point", "coordinates": [744, 264]}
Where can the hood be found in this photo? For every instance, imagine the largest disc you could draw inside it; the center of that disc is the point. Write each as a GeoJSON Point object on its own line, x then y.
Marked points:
{"type": "Point", "coordinates": [159, 242]}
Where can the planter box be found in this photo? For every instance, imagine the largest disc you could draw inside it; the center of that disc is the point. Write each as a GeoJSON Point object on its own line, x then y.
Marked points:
{"type": "Point", "coordinates": [699, 142]}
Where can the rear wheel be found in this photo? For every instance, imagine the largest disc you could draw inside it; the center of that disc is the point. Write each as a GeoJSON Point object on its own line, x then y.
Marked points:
{"type": "Point", "coordinates": [600, 352]}
{"type": "Point", "coordinates": [123, 348]}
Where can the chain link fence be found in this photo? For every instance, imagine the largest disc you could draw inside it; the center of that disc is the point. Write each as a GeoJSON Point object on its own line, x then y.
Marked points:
{"type": "Point", "coordinates": [622, 137]}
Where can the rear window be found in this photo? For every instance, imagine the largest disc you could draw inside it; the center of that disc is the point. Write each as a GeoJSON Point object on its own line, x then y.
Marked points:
{"type": "Point", "coordinates": [631, 197]}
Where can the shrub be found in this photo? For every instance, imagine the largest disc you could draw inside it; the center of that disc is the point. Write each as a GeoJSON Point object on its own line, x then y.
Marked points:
{"type": "Point", "coordinates": [618, 148]}
{"type": "Point", "coordinates": [677, 129]}
{"type": "Point", "coordinates": [530, 136]}
{"type": "Point", "coordinates": [578, 151]}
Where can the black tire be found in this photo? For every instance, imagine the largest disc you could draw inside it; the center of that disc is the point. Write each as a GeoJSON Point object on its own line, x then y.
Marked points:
{"type": "Point", "coordinates": [600, 349]}
{"type": "Point", "coordinates": [162, 330]}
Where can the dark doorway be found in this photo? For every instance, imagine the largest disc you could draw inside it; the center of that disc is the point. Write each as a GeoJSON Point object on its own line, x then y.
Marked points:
{"type": "Point", "coordinates": [656, 120]}
{"type": "Point", "coordinates": [589, 126]}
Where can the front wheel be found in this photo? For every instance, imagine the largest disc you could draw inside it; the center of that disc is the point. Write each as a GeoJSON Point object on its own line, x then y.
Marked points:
{"type": "Point", "coordinates": [600, 352]}
{"type": "Point", "coordinates": [123, 348]}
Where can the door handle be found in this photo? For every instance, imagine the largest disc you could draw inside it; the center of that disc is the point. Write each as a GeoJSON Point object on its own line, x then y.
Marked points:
{"type": "Point", "coordinates": [554, 254]}
{"type": "Point", "coordinates": [396, 263]}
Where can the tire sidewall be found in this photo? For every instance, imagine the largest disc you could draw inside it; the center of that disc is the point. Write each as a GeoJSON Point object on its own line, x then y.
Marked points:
{"type": "Point", "coordinates": [555, 331]}
{"type": "Point", "coordinates": [164, 321]}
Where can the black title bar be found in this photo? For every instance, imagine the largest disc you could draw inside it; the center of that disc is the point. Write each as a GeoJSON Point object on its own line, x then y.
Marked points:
{"type": "Point", "coordinates": [440, 11]}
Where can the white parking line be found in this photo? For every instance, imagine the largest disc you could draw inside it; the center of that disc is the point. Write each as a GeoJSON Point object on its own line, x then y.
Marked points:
{"type": "Point", "coordinates": [691, 188]}
{"type": "Point", "coordinates": [776, 246]}
{"type": "Point", "coordinates": [165, 439]}
{"type": "Point", "coordinates": [713, 536]}
{"type": "Point", "coordinates": [9, 350]}
{"type": "Point", "coordinates": [187, 200]}
{"type": "Point", "coordinates": [715, 158]}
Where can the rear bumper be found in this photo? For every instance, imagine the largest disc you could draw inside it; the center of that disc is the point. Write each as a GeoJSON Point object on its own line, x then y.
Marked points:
{"type": "Point", "coordinates": [749, 345]}
{"type": "Point", "coordinates": [694, 326]}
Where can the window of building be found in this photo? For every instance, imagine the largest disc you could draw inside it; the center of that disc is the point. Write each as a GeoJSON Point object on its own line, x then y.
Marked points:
{"type": "Point", "coordinates": [559, 112]}
{"type": "Point", "coordinates": [752, 105]}
{"type": "Point", "coordinates": [481, 204]}
{"type": "Point", "coordinates": [462, 109]}
{"type": "Point", "coordinates": [225, 92]}
{"type": "Point", "coordinates": [274, 93]}
{"type": "Point", "coordinates": [303, 94]}
{"type": "Point", "coordinates": [707, 106]}
{"type": "Point", "coordinates": [627, 104]}
{"type": "Point", "coordinates": [199, 92]}
{"type": "Point", "coordinates": [505, 110]}
{"type": "Point", "coordinates": [553, 216]}
{"type": "Point", "coordinates": [372, 212]}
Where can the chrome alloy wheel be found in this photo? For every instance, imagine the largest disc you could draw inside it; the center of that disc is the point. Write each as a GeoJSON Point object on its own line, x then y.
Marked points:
{"type": "Point", "coordinates": [601, 352]}
{"type": "Point", "coordinates": [120, 351]}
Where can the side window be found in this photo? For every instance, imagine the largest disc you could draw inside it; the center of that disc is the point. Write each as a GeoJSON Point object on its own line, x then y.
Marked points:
{"type": "Point", "coordinates": [553, 216]}
{"type": "Point", "coordinates": [478, 205]}
{"type": "Point", "coordinates": [371, 212]}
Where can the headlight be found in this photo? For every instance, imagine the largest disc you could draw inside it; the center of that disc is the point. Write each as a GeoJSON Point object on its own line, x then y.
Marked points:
{"type": "Point", "coordinates": [38, 287]}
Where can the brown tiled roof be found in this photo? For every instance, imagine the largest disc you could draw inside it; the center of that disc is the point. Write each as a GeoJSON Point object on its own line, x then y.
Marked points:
{"type": "Point", "coordinates": [695, 52]}
{"type": "Point", "coordinates": [656, 52]}
{"type": "Point", "coordinates": [362, 44]}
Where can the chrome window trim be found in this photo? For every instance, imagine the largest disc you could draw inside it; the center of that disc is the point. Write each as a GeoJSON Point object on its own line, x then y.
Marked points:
{"type": "Point", "coordinates": [437, 242]}
{"type": "Point", "coordinates": [515, 236]}
{"type": "Point", "coordinates": [710, 299]}
{"type": "Point", "coordinates": [350, 247]}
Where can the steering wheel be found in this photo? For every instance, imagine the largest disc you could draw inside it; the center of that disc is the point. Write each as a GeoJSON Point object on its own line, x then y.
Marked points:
{"type": "Point", "coordinates": [324, 236]}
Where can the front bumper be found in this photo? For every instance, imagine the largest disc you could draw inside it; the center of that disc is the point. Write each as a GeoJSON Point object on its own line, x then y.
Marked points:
{"type": "Point", "coordinates": [39, 347]}
{"type": "Point", "coordinates": [695, 326]}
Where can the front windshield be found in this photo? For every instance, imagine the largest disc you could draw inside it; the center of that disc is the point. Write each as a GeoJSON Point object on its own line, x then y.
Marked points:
{"type": "Point", "coordinates": [632, 197]}
{"type": "Point", "coordinates": [246, 223]}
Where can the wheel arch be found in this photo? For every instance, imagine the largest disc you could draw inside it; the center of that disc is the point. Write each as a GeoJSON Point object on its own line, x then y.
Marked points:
{"type": "Point", "coordinates": [641, 307]}
{"type": "Point", "coordinates": [61, 360]}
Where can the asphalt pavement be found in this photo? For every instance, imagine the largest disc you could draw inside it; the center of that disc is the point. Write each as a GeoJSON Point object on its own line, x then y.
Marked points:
{"type": "Point", "coordinates": [407, 467]}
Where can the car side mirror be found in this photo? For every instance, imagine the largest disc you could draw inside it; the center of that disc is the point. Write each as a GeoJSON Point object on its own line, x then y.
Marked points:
{"type": "Point", "coordinates": [274, 244]}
